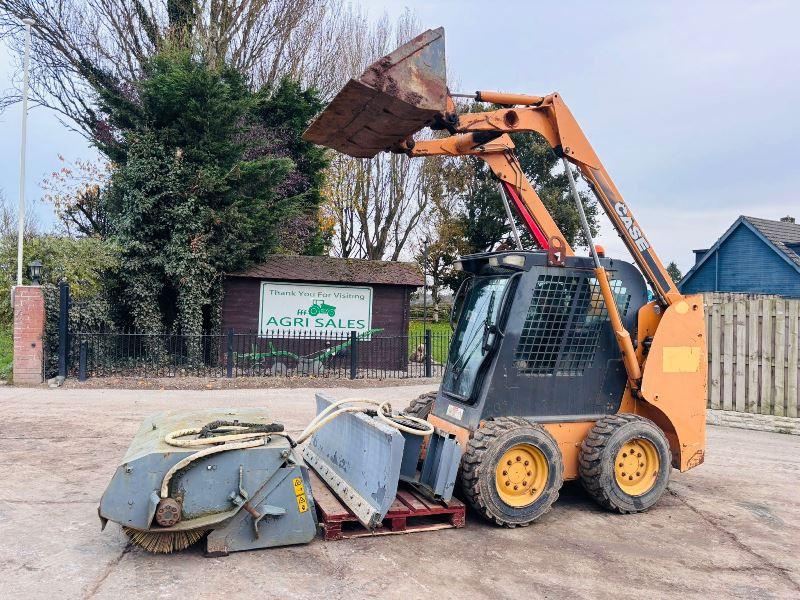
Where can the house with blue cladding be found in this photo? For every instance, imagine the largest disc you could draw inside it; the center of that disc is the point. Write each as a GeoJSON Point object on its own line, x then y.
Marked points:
{"type": "Point", "coordinates": [755, 256]}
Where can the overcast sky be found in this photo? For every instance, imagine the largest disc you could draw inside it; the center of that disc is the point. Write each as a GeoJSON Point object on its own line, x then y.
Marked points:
{"type": "Point", "coordinates": [692, 106]}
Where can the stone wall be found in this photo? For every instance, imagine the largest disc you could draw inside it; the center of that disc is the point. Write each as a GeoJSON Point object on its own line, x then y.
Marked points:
{"type": "Point", "coordinates": [742, 420]}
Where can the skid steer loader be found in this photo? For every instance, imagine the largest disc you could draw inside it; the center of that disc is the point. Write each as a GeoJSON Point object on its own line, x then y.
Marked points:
{"type": "Point", "coordinates": [560, 368]}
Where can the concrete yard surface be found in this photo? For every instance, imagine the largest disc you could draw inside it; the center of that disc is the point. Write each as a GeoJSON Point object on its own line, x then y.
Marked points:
{"type": "Point", "coordinates": [728, 529]}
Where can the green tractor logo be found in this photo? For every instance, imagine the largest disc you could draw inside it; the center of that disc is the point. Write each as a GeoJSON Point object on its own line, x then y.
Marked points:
{"type": "Point", "coordinates": [319, 306]}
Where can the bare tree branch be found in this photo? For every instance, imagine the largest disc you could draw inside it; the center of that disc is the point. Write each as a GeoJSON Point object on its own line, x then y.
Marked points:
{"type": "Point", "coordinates": [80, 47]}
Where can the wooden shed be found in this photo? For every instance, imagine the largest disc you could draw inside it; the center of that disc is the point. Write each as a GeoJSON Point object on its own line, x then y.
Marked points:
{"type": "Point", "coordinates": [318, 297]}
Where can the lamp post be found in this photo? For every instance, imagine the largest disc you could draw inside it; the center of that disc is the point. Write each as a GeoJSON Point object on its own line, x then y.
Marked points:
{"type": "Point", "coordinates": [21, 215]}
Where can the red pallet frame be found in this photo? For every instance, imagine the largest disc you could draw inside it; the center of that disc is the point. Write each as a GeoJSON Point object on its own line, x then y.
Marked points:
{"type": "Point", "coordinates": [408, 505]}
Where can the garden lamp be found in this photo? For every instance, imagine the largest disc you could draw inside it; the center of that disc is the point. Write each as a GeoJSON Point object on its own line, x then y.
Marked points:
{"type": "Point", "coordinates": [35, 271]}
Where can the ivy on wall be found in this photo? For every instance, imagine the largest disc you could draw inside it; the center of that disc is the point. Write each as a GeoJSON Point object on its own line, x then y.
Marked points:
{"type": "Point", "coordinates": [210, 177]}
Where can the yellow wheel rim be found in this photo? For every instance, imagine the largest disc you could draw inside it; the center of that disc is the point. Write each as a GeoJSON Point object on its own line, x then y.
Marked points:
{"type": "Point", "coordinates": [636, 467]}
{"type": "Point", "coordinates": [521, 475]}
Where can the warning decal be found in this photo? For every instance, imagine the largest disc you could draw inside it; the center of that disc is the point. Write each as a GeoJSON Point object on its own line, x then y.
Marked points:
{"type": "Point", "coordinates": [300, 493]}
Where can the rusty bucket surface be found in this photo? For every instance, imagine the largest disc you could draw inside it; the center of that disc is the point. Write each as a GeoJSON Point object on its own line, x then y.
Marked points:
{"type": "Point", "coordinates": [395, 97]}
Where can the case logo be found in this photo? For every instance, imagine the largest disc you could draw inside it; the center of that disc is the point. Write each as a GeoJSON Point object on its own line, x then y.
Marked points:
{"type": "Point", "coordinates": [631, 226]}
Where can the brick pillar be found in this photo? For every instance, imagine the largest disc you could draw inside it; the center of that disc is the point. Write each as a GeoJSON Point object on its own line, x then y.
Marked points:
{"type": "Point", "coordinates": [28, 334]}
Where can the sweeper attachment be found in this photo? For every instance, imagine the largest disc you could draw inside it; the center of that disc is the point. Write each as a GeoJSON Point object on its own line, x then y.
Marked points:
{"type": "Point", "coordinates": [229, 475]}
{"type": "Point", "coordinates": [237, 479]}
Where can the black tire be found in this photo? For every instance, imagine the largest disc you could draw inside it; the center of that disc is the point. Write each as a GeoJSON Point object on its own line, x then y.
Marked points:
{"type": "Point", "coordinates": [421, 406]}
{"type": "Point", "coordinates": [485, 449]}
{"type": "Point", "coordinates": [598, 459]}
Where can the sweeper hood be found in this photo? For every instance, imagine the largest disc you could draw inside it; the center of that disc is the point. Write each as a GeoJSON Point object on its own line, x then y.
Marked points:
{"type": "Point", "coordinates": [398, 95]}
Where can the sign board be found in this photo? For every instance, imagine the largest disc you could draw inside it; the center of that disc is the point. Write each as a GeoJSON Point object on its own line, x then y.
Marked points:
{"type": "Point", "coordinates": [314, 309]}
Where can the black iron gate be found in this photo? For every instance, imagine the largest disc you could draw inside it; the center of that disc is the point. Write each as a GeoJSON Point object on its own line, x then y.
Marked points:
{"type": "Point", "coordinates": [105, 352]}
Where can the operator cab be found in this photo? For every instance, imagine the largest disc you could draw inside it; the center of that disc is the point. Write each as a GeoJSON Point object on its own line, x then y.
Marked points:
{"type": "Point", "coordinates": [535, 340]}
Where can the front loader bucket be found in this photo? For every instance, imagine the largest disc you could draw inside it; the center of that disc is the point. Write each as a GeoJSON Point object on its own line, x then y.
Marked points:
{"type": "Point", "coordinates": [396, 96]}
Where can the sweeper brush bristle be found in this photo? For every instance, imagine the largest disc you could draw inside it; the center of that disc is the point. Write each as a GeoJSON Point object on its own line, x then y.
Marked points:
{"type": "Point", "coordinates": [164, 542]}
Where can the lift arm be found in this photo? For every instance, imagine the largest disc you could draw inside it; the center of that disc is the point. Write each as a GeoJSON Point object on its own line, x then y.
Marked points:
{"type": "Point", "coordinates": [406, 91]}
{"type": "Point", "coordinates": [497, 151]}
{"type": "Point", "coordinates": [551, 118]}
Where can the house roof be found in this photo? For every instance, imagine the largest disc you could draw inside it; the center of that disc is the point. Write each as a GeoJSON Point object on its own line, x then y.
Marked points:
{"type": "Point", "coordinates": [334, 270]}
{"type": "Point", "coordinates": [778, 235]}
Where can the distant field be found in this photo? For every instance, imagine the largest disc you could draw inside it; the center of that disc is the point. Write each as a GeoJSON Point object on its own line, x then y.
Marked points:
{"type": "Point", "coordinates": [6, 351]}
{"type": "Point", "coordinates": [440, 338]}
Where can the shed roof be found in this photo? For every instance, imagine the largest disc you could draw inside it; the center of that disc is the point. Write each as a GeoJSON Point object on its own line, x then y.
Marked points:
{"type": "Point", "coordinates": [334, 270]}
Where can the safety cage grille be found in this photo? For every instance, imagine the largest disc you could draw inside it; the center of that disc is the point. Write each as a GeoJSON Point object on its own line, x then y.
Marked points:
{"type": "Point", "coordinates": [563, 325]}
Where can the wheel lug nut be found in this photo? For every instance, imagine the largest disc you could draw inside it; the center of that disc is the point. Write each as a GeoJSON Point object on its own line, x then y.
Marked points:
{"type": "Point", "coordinates": [508, 483]}
{"type": "Point", "coordinates": [524, 484]}
{"type": "Point", "coordinates": [528, 473]}
{"type": "Point", "coordinates": [526, 463]}
{"type": "Point", "coordinates": [505, 472]}
{"type": "Point", "coordinates": [638, 473]}
{"type": "Point", "coordinates": [518, 459]}
{"type": "Point", "coordinates": [509, 463]}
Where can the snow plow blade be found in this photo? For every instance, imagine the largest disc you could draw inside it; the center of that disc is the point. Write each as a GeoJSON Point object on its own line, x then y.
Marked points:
{"type": "Point", "coordinates": [397, 96]}
{"type": "Point", "coordinates": [359, 457]}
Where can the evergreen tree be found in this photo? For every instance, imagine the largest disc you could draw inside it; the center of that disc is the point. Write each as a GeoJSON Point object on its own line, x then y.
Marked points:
{"type": "Point", "coordinates": [674, 271]}
{"type": "Point", "coordinates": [209, 174]}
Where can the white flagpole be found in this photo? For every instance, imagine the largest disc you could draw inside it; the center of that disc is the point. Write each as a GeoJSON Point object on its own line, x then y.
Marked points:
{"type": "Point", "coordinates": [21, 215]}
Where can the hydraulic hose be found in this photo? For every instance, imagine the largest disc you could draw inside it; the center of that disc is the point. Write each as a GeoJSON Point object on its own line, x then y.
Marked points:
{"type": "Point", "coordinates": [384, 414]}
{"type": "Point", "coordinates": [217, 443]}
{"type": "Point", "coordinates": [247, 438]}
{"type": "Point", "coordinates": [182, 464]}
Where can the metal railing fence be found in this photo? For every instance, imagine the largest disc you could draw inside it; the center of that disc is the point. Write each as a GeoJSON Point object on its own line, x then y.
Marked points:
{"type": "Point", "coordinates": [106, 353]}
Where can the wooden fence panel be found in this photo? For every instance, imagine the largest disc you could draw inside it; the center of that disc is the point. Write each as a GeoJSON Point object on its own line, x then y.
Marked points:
{"type": "Point", "coordinates": [753, 366]}
{"type": "Point", "coordinates": [715, 336]}
{"type": "Point", "coordinates": [740, 388]}
{"type": "Point", "coordinates": [779, 396]}
{"type": "Point", "coordinates": [727, 358]}
{"type": "Point", "coordinates": [793, 370]}
{"type": "Point", "coordinates": [767, 312]}
{"type": "Point", "coordinates": [754, 350]}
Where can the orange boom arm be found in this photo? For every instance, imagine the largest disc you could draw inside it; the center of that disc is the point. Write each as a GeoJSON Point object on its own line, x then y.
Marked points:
{"type": "Point", "coordinates": [553, 120]}
{"type": "Point", "coordinates": [498, 153]}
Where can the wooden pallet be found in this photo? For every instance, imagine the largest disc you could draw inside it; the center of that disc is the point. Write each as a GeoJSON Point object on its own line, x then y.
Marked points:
{"type": "Point", "coordinates": [409, 512]}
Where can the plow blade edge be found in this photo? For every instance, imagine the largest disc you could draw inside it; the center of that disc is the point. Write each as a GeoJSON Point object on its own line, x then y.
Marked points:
{"type": "Point", "coordinates": [359, 457]}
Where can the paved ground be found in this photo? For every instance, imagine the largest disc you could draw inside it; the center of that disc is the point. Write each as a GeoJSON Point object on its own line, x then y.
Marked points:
{"type": "Point", "coordinates": [728, 529]}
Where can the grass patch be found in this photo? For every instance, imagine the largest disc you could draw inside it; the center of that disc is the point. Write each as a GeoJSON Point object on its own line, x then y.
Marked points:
{"type": "Point", "coordinates": [6, 351]}
{"type": "Point", "coordinates": [440, 338]}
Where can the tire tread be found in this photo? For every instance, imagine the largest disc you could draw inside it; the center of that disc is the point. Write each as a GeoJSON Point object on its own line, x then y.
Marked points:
{"type": "Point", "coordinates": [473, 461]}
{"type": "Point", "coordinates": [593, 450]}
